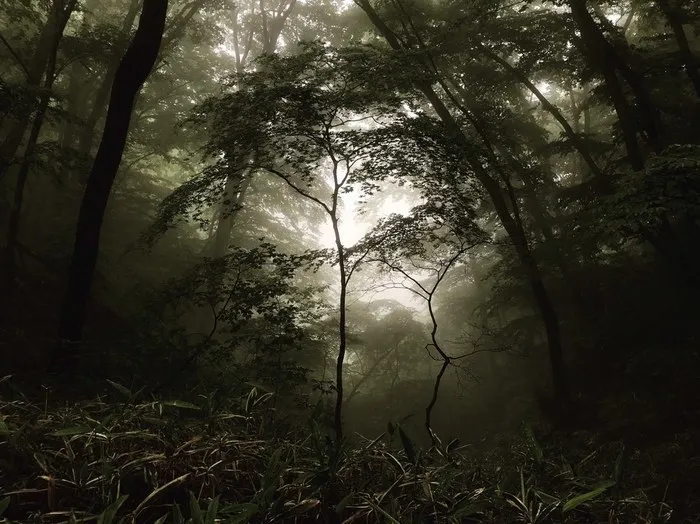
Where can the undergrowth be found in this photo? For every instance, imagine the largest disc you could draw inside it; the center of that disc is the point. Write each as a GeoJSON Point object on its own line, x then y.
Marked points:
{"type": "Point", "coordinates": [165, 460]}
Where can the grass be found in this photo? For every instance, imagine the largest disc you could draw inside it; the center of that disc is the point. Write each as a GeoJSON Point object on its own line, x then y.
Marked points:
{"type": "Point", "coordinates": [124, 460]}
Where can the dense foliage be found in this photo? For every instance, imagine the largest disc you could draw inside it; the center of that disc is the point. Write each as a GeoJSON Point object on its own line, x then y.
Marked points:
{"type": "Point", "coordinates": [373, 261]}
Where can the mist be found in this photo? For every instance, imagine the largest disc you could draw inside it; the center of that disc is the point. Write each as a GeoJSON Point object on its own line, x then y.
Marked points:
{"type": "Point", "coordinates": [337, 261]}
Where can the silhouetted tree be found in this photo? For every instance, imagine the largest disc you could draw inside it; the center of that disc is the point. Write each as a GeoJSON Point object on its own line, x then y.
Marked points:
{"type": "Point", "coordinates": [136, 65]}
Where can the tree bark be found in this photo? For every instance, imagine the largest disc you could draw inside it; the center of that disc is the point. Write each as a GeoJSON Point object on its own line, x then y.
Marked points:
{"type": "Point", "coordinates": [234, 193]}
{"type": "Point", "coordinates": [603, 56]}
{"type": "Point", "coordinates": [594, 48]}
{"type": "Point", "coordinates": [76, 101]}
{"type": "Point", "coordinates": [135, 66]}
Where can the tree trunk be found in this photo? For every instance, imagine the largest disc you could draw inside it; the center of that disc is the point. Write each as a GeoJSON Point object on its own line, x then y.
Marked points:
{"type": "Point", "coordinates": [690, 61]}
{"type": "Point", "coordinates": [235, 190]}
{"type": "Point", "coordinates": [23, 175]}
{"type": "Point", "coordinates": [603, 57]}
{"type": "Point", "coordinates": [47, 49]}
{"type": "Point", "coordinates": [87, 135]}
{"type": "Point", "coordinates": [76, 101]}
{"type": "Point", "coordinates": [234, 193]}
{"type": "Point", "coordinates": [135, 66]}
{"type": "Point", "coordinates": [594, 49]}
{"type": "Point", "coordinates": [342, 330]}
{"type": "Point", "coordinates": [573, 137]}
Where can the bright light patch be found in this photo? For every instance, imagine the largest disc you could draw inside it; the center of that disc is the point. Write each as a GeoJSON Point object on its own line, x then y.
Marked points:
{"type": "Point", "coordinates": [400, 207]}
{"type": "Point", "coordinates": [544, 87]}
{"type": "Point", "coordinates": [351, 228]}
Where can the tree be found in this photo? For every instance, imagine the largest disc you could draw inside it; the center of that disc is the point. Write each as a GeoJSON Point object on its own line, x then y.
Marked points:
{"type": "Point", "coordinates": [488, 171]}
{"type": "Point", "coordinates": [133, 71]}
{"type": "Point", "coordinates": [45, 53]}
{"type": "Point", "coordinates": [272, 22]}
{"type": "Point", "coordinates": [422, 249]}
{"type": "Point", "coordinates": [315, 105]}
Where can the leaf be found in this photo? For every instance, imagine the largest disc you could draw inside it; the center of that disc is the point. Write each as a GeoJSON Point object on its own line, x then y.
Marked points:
{"type": "Point", "coordinates": [212, 510]}
{"type": "Point", "coordinates": [407, 446]}
{"type": "Point", "coordinates": [304, 506]}
{"type": "Point", "coordinates": [452, 445]}
{"type": "Point", "coordinates": [546, 498]}
{"type": "Point", "coordinates": [4, 504]}
{"type": "Point", "coordinates": [122, 389]}
{"type": "Point", "coordinates": [373, 442]}
{"type": "Point", "coordinates": [158, 491]}
{"type": "Point", "coordinates": [340, 506]}
{"type": "Point", "coordinates": [195, 510]}
{"type": "Point", "coordinates": [107, 516]}
{"type": "Point", "coordinates": [534, 445]}
{"type": "Point", "coordinates": [587, 497]}
{"type": "Point", "coordinates": [179, 404]}
{"type": "Point", "coordinates": [72, 431]}
{"type": "Point", "coordinates": [242, 513]}
{"type": "Point", "coordinates": [177, 515]}
{"type": "Point", "coordinates": [467, 507]}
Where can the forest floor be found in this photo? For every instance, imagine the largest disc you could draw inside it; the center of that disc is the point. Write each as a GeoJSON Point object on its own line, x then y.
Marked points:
{"type": "Point", "coordinates": [173, 457]}
{"type": "Point", "coordinates": [182, 459]}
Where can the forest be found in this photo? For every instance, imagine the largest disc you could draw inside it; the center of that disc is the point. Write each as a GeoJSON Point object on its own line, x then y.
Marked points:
{"type": "Point", "coordinates": [349, 261]}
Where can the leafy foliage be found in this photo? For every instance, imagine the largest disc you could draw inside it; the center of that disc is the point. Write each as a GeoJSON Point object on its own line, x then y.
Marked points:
{"type": "Point", "coordinates": [176, 461]}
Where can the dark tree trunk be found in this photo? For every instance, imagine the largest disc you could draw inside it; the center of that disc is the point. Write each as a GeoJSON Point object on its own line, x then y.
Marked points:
{"type": "Point", "coordinates": [87, 135]}
{"type": "Point", "coordinates": [573, 137]}
{"type": "Point", "coordinates": [60, 17]}
{"type": "Point", "coordinates": [234, 194]}
{"type": "Point", "coordinates": [136, 65]}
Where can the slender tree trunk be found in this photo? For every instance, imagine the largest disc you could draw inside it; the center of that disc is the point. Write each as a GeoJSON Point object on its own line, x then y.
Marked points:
{"type": "Point", "coordinates": [234, 193]}
{"type": "Point", "coordinates": [76, 99]}
{"type": "Point", "coordinates": [74, 106]}
{"type": "Point", "coordinates": [135, 66]}
{"type": "Point", "coordinates": [47, 49]}
{"type": "Point", "coordinates": [675, 22]}
{"type": "Point", "coordinates": [342, 327]}
{"type": "Point", "coordinates": [23, 175]}
{"type": "Point", "coordinates": [551, 109]}
{"type": "Point", "coordinates": [542, 221]}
